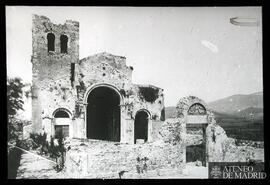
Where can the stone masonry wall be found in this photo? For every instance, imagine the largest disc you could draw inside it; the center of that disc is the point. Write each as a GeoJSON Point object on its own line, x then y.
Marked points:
{"type": "Point", "coordinates": [51, 70]}
{"type": "Point", "coordinates": [185, 103]}
{"type": "Point", "coordinates": [105, 68]}
{"type": "Point", "coordinates": [96, 159]}
{"type": "Point", "coordinates": [223, 149]}
{"type": "Point", "coordinates": [155, 108]}
{"type": "Point", "coordinates": [108, 69]}
{"type": "Point", "coordinates": [53, 64]}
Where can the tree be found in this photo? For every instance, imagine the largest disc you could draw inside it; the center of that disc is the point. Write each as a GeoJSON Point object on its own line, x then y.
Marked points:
{"type": "Point", "coordinates": [14, 95]}
{"type": "Point", "coordinates": [14, 104]}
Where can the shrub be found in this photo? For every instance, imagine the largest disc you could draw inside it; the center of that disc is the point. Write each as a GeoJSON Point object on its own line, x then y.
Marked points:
{"type": "Point", "coordinates": [14, 129]}
{"type": "Point", "coordinates": [56, 152]}
{"type": "Point", "coordinates": [39, 139]}
{"type": "Point", "coordinates": [150, 94]}
{"type": "Point", "coordinates": [26, 144]}
{"type": "Point", "coordinates": [141, 166]}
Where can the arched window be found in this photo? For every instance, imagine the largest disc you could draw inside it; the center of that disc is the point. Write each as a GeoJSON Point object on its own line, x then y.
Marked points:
{"type": "Point", "coordinates": [50, 39]}
{"type": "Point", "coordinates": [61, 114]}
{"type": "Point", "coordinates": [197, 109]}
{"type": "Point", "coordinates": [63, 43]}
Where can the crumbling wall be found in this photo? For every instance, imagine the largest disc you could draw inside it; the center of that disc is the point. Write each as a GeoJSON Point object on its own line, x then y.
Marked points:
{"type": "Point", "coordinates": [156, 128]}
{"type": "Point", "coordinates": [53, 64]}
{"type": "Point", "coordinates": [103, 68]}
{"type": "Point", "coordinates": [223, 149]}
{"type": "Point", "coordinates": [108, 70]}
{"type": "Point", "coordinates": [185, 103]}
{"type": "Point", "coordinates": [106, 158]}
{"type": "Point", "coordinates": [173, 130]}
{"type": "Point", "coordinates": [219, 148]}
{"type": "Point", "coordinates": [96, 159]}
{"type": "Point", "coordinates": [155, 105]}
{"type": "Point", "coordinates": [57, 94]}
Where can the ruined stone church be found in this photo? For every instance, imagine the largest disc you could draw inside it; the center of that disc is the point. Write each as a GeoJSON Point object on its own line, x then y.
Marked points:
{"type": "Point", "coordinates": [89, 98]}
{"type": "Point", "coordinates": [94, 98]}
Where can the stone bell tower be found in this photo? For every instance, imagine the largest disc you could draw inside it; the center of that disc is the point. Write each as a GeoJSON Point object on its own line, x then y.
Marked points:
{"type": "Point", "coordinates": [55, 51]}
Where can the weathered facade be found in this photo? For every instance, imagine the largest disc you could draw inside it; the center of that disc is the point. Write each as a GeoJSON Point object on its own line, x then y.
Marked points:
{"type": "Point", "coordinates": [93, 97]}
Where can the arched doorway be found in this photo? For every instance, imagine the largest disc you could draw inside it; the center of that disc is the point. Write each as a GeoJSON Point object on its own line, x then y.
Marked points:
{"type": "Point", "coordinates": [141, 126]}
{"type": "Point", "coordinates": [196, 125]}
{"type": "Point", "coordinates": [103, 114]}
{"type": "Point", "coordinates": [61, 123]}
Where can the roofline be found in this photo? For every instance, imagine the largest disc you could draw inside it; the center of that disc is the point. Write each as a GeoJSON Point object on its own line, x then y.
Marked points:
{"type": "Point", "coordinates": [101, 53]}
{"type": "Point", "coordinates": [148, 85]}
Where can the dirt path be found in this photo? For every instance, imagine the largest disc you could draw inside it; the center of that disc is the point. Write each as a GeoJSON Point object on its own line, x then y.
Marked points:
{"type": "Point", "coordinates": [34, 167]}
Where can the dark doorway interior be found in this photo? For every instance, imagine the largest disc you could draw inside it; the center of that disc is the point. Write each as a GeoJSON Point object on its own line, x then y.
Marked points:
{"type": "Point", "coordinates": [61, 130]}
{"type": "Point", "coordinates": [103, 114]}
{"type": "Point", "coordinates": [196, 152]}
{"type": "Point", "coordinates": [141, 126]}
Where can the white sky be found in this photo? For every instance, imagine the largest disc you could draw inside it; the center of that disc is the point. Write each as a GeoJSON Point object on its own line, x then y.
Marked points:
{"type": "Point", "coordinates": [184, 50]}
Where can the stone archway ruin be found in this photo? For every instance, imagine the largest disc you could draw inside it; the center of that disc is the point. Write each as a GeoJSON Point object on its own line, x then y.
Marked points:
{"type": "Point", "coordinates": [103, 114]}
{"type": "Point", "coordinates": [195, 113]}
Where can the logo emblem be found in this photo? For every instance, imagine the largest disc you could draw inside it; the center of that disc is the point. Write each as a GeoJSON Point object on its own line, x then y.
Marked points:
{"type": "Point", "coordinates": [215, 172]}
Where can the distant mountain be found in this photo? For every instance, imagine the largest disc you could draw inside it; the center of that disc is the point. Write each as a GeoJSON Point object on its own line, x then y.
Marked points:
{"type": "Point", "coordinates": [169, 112]}
{"type": "Point", "coordinates": [238, 103]}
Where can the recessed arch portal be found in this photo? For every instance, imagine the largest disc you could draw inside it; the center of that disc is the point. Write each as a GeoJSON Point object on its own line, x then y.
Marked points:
{"type": "Point", "coordinates": [196, 124]}
{"type": "Point", "coordinates": [62, 119]}
{"type": "Point", "coordinates": [141, 125]}
{"type": "Point", "coordinates": [103, 114]}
